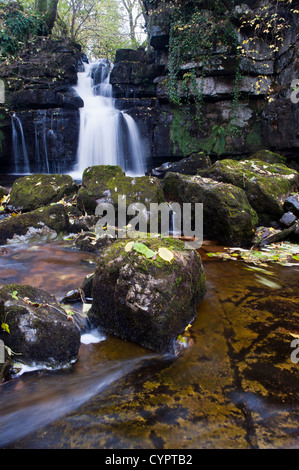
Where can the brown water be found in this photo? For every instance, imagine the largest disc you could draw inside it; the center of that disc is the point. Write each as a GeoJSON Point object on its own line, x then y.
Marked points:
{"type": "Point", "coordinates": [234, 387]}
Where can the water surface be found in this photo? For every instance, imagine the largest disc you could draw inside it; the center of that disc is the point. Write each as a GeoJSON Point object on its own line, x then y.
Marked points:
{"type": "Point", "coordinates": [234, 387]}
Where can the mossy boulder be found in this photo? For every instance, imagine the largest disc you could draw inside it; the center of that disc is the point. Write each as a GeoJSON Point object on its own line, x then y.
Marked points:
{"type": "Point", "coordinates": [104, 183]}
{"type": "Point", "coordinates": [54, 217]}
{"type": "Point", "coordinates": [38, 190]}
{"type": "Point", "coordinates": [266, 185]}
{"type": "Point", "coordinates": [37, 328]}
{"type": "Point", "coordinates": [149, 301]}
{"type": "Point", "coordinates": [268, 157]}
{"type": "Point", "coordinates": [227, 214]}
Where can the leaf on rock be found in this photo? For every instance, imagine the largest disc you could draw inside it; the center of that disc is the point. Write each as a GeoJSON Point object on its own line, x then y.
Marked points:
{"type": "Point", "coordinates": [129, 246]}
{"type": "Point", "coordinates": [165, 254]}
{"type": "Point", "coordinates": [143, 249]}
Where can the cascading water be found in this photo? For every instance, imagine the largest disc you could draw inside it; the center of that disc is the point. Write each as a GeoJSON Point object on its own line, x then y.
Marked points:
{"type": "Point", "coordinates": [20, 154]}
{"type": "Point", "coordinates": [107, 136]}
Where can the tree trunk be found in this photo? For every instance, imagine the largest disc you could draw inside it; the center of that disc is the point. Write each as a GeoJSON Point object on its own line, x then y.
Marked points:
{"type": "Point", "coordinates": [48, 11]}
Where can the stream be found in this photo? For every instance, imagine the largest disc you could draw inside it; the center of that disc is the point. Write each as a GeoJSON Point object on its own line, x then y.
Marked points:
{"type": "Point", "coordinates": [235, 386]}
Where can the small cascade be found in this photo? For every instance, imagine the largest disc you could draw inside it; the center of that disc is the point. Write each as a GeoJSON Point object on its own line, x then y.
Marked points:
{"type": "Point", "coordinates": [41, 144]}
{"type": "Point", "coordinates": [20, 154]}
{"type": "Point", "coordinates": [107, 136]}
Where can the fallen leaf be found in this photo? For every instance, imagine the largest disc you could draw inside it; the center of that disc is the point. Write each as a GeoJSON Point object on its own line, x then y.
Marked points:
{"type": "Point", "coordinates": [165, 254]}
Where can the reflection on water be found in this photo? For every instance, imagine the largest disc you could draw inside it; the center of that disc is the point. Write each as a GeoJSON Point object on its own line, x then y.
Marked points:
{"type": "Point", "coordinates": [235, 387]}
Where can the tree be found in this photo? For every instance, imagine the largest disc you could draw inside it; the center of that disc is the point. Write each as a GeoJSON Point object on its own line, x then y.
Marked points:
{"type": "Point", "coordinates": [134, 10]}
{"type": "Point", "coordinates": [48, 10]}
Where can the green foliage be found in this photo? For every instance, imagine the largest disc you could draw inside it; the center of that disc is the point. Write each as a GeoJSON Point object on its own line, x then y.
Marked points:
{"type": "Point", "coordinates": [193, 37]}
{"type": "Point", "coordinates": [17, 26]}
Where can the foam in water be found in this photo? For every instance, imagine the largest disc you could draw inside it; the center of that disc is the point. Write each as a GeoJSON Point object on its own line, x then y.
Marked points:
{"type": "Point", "coordinates": [107, 136]}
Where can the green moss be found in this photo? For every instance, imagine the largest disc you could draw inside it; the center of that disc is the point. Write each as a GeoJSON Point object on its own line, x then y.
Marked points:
{"type": "Point", "coordinates": [180, 133]}
{"type": "Point", "coordinates": [254, 138]}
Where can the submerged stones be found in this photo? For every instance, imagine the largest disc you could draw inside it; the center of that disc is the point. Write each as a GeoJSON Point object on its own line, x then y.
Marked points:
{"type": "Point", "coordinates": [36, 328]}
{"type": "Point", "coordinates": [149, 301]}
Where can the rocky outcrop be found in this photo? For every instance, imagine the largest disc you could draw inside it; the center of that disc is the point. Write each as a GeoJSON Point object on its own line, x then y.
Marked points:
{"type": "Point", "coordinates": [36, 328]}
{"type": "Point", "coordinates": [147, 300]}
{"type": "Point", "coordinates": [38, 91]}
{"type": "Point", "coordinates": [242, 80]}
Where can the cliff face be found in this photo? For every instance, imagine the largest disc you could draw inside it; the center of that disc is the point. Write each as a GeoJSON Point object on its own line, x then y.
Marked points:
{"type": "Point", "coordinates": [219, 77]}
{"type": "Point", "coordinates": [39, 98]}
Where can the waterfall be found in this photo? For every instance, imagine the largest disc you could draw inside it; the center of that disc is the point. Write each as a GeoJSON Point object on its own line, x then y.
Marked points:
{"type": "Point", "coordinates": [107, 136]}
{"type": "Point", "coordinates": [20, 154]}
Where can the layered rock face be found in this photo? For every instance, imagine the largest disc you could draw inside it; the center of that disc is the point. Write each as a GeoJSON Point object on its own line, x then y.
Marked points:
{"type": "Point", "coordinates": [238, 75]}
{"type": "Point", "coordinates": [41, 105]}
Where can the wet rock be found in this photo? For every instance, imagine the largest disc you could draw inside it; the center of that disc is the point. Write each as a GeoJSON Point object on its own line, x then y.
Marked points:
{"type": "Point", "coordinates": [54, 217]}
{"type": "Point", "coordinates": [39, 330]}
{"type": "Point", "coordinates": [268, 157]}
{"type": "Point", "coordinates": [292, 204]}
{"type": "Point", "coordinates": [266, 185]}
{"type": "Point", "coordinates": [38, 190]}
{"type": "Point", "coordinates": [267, 235]}
{"type": "Point", "coordinates": [149, 301]}
{"type": "Point", "coordinates": [105, 183]}
{"type": "Point", "coordinates": [88, 241]}
{"type": "Point", "coordinates": [4, 191]}
{"type": "Point", "coordinates": [186, 166]}
{"type": "Point", "coordinates": [86, 286]}
{"type": "Point", "coordinates": [288, 219]}
{"type": "Point", "coordinates": [227, 214]}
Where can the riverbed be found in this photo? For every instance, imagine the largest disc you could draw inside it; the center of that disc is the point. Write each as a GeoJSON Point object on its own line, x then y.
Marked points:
{"type": "Point", "coordinates": [234, 386]}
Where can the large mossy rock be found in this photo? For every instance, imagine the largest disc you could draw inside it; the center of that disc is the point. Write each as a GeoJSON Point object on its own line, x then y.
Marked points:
{"type": "Point", "coordinates": [266, 185]}
{"type": "Point", "coordinates": [227, 214]}
{"type": "Point", "coordinates": [54, 217]}
{"type": "Point", "coordinates": [34, 191]}
{"type": "Point", "coordinates": [36, 327]}
{"type": "Point", "coordinates": [149, 301]}
{"type": "Point", "coordinates": [104, 183]}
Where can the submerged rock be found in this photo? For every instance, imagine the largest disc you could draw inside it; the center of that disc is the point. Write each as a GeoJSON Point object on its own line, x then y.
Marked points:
{"type": "Point", "coordinates": [37, 328]}
{"type": "Point", "coordinates": [104, 183]}
{"type": "Point", "coordinates": [227, 214]}
{"type": "Point", "coordinates": [34, 191]}
{"type": "Point", "coordinates": [54, 217]}
{"type": "Point", "coordinates": [149, 301]}
{"type": "Point", "coordinates": [266, 185]}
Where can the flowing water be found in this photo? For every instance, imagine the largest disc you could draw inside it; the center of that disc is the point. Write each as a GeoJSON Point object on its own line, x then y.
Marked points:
{"type": "Point", "coordinates": [235, 386]}
{"type": "Point", "coordinates": [107, 136]}
{"type": "Point", "coordinates": [20, 153]}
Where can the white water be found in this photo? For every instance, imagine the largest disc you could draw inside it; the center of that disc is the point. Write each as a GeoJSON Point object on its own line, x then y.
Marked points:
{"type": "Point", "coordinates": [19, 147]}
{"type": "Point", "coordinates": [107, 136]}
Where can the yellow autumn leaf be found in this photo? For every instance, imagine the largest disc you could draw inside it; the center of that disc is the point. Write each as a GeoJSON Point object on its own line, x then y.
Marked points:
{"type": "Point", "coordinates": [5, 327]}
{"type": "Point", "coordinates": [129, 246]}
{"type": "Point", "coordinates": [165, 254]}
